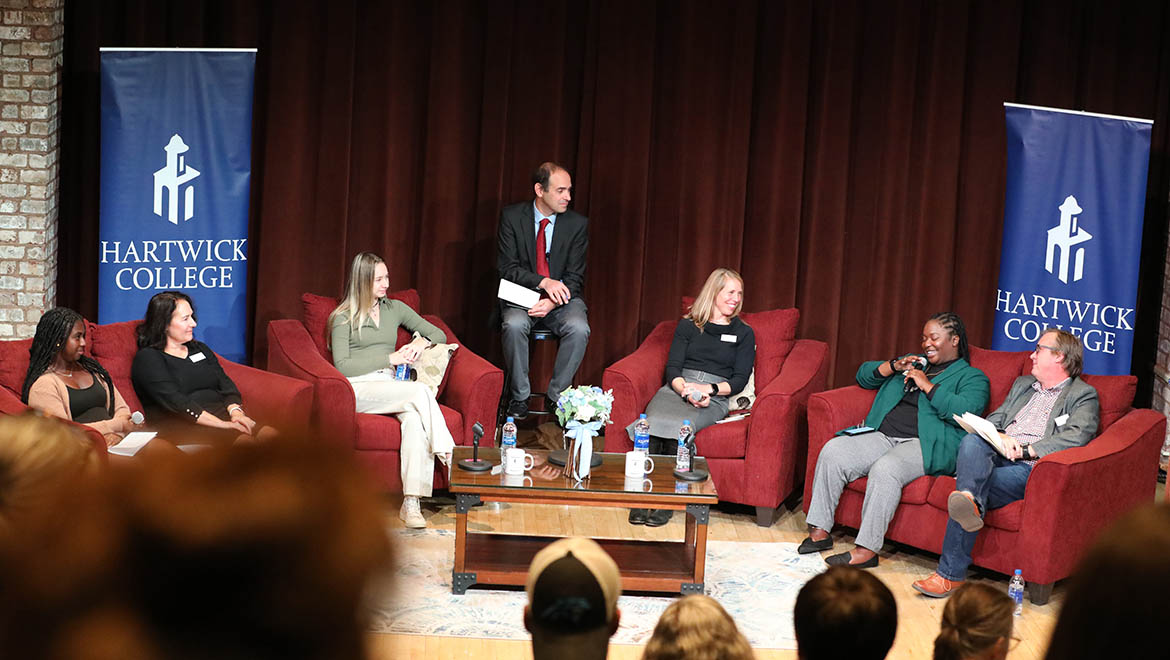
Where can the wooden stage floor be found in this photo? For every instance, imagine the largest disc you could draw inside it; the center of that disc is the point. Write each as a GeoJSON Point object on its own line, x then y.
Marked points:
{"type": "Point", "coordinates": [899, 567]}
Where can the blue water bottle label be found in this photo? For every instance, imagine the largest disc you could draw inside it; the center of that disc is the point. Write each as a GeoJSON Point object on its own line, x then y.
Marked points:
{"type": "Point", "coordinates": [401, 372]}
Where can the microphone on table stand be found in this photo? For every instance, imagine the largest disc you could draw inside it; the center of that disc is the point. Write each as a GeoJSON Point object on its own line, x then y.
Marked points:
{"type": "Point", "coordinates": [475, 464]}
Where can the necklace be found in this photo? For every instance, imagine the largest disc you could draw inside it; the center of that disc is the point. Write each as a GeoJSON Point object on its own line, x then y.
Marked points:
{"type": "Point", "coordinates": [67, 374]}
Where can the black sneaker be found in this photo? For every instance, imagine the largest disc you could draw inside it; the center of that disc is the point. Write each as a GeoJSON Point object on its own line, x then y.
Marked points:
{"type": "Point", "coordinates": [658, 517]}
{"type": "Point", "coordinates": [518, 409]}
{"type": "Point", "coordinates": [638, 516]}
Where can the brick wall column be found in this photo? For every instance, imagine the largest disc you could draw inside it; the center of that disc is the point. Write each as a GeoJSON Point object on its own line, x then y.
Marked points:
{"type": "Point", "coordinates": [31, 41]}
{"type": "Point", "coordinates": [1161, 398]}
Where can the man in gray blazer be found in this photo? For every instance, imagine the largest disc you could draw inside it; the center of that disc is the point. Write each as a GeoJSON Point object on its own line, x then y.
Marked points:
{"type": "Point", "coordinates": [1051, 410]}
{"type": "Point", "coordinates": [543, 245]}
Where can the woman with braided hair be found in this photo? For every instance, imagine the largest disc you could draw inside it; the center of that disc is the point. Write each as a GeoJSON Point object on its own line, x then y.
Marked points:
{"type": "Point", "coordinates": [63, 381]}
{"type": "Point", "coordinates": [909, 432]}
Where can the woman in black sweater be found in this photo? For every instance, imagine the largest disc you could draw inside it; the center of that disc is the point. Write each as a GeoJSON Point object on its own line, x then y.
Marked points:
{"type": "Point", "coordinates": [711, 358]}
{"type": "Point", "coordinates": [184, 390]}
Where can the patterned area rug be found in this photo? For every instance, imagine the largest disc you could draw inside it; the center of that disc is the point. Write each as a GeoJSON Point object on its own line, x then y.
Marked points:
{"type": "Point", "coordinates": [756, 582]}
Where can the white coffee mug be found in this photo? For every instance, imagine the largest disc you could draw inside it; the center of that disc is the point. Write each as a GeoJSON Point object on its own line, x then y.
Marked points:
{"type": "Point", "coordinates": [638, 464]}
{"type": "Point", "coordinates": [517, 480]}
{"type": "Point", "coordinates": [638, 485]}
{"type": "Point", "coordinates": [516, 461]}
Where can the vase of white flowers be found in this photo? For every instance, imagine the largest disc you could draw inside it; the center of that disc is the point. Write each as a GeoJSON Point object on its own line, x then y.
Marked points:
{"type": "Point", "coordinates": [582, 411]}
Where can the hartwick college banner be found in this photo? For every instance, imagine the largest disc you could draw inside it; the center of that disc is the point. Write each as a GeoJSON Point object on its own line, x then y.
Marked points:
{"type": "Point", "coordinates": [176, 163]}
{"type": "Point", "coordinates": [1072, 231]}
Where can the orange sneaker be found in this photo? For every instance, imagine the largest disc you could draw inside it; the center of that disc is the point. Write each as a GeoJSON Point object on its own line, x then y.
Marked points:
{"type": "Point", "coordinates": [936, 586]}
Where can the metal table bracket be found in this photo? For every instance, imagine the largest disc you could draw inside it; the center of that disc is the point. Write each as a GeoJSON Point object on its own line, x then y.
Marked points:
{"type": "Point", "coordinates": [461, 581]}
{"type": "Point", "coordinates": [464, 502]}
{"type": "Point", "coordinates": [701, 512]}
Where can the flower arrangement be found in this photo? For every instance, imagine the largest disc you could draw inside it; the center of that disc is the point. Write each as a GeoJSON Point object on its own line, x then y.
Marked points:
{"type": "Point", "coordinates": [582, 411]}
{"type": "Point", "coordinates": [584, 403]}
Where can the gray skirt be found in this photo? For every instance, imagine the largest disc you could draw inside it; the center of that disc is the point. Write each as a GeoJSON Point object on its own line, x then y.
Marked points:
{"type": "Point", "coordinates": [667, 410]}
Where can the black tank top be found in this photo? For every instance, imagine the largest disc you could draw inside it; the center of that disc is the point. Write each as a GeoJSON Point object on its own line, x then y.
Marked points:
{"type": "Point", "coordinates": [90, 404]}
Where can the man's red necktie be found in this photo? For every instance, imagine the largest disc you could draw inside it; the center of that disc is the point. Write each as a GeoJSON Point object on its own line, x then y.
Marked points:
{"type": "Point", "coordinates": [541, 251]}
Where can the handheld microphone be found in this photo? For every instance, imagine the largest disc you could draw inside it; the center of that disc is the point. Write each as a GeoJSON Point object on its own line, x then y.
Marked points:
{"type": "Point", "coordinates": [696, 396]}
{"type": "Point", "coordinates": [137, 417]}
{"type": "Point", "coordinates": [909, 385]}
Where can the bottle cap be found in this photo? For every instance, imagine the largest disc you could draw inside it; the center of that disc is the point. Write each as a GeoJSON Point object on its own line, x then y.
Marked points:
{"type": "Point", "coordinates": [686, 422]}
{"type": "Point", "coordinates": [642, 416]}
{"type": "Point", "coordinates": [510, 421]}
{"type": "Point", "coordinates": [1019, 572]}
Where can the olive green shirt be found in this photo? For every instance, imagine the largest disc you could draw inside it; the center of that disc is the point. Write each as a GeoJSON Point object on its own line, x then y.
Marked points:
{"type": "Point", "coordinates": [355, 355]}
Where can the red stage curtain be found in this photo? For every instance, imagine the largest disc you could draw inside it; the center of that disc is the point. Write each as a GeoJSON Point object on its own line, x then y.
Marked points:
{"type": "Point", "coordinates": [847, 157]}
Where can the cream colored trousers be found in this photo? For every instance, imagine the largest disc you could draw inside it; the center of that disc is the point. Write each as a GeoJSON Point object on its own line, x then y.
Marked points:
{"type": "Point", "coordinates": [424, 433]}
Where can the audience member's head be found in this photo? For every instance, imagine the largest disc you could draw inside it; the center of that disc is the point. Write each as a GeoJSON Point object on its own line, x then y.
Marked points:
{"type": "Point", "coordinates": [844, 613]}
{"type": "Point", "coordinates": [1115, 606]}
{"type": "Point", "coordinates": [976, 624]}
{"type": "Point", "coordinates": [697, 628]}
{"type": "Point", "coordinates": [38, 455]}
{"type": "Point", "coordinates": [721, 281]}
{"type": "Point", "coordinates": [573, 587]}
{"type": "Point", "coordinates": [259, 551]}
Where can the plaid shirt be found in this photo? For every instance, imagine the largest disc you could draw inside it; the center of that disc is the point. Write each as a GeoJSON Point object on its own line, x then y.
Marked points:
{"type": "Point", "coordinates": [1030, 423]}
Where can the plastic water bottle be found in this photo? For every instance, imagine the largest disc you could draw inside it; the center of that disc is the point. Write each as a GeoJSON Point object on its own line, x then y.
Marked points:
{"type": "Point", "coordinates": [402, 372]}
{"type": "Point", "coordinates": [1016, 592]}
{"type": "Point", "coordinates": [682, 460]}
{"type": "Point", "coordinates": [642, 434]}
{"type": "Point", "coordinates": [508, 436]}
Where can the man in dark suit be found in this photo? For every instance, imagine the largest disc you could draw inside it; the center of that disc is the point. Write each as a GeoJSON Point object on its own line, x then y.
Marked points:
{"type": "Point", "coordinates": [1049, 411]}
{"type": "Point", "coordinates": [543, 245]}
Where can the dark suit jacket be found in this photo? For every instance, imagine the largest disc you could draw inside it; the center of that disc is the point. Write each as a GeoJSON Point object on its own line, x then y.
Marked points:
{"type": "Point", "coordinates": [1076, 408]}
{"type": "Point", "coordinates": [516, 260]}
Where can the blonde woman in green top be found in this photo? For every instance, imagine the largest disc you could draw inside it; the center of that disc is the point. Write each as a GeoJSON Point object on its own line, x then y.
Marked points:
{"type": "Point", "coordinates": [363, 331]}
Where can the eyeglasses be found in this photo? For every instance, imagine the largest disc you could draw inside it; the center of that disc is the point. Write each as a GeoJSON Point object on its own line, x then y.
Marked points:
{"type": "Point", "coordinates": [1051, 349]}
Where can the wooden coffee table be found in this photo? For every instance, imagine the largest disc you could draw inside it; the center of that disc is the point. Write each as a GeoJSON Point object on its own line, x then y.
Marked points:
{"type": "Point", "coordinates": [503, 559]}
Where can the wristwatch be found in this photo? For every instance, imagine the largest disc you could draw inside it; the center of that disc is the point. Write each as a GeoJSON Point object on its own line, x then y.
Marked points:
{"type": "Point", "coordinates": [714, 389]}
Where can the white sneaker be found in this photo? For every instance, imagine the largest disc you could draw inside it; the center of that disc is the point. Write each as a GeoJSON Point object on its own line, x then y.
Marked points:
{"type": "Point", "coordinates": [410, 513]}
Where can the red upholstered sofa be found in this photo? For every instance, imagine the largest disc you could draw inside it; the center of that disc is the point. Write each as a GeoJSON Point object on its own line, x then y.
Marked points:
{"type": "Point", "coordinates": [757, 461]}
{"type": "Point", "coordinates": [269, 398]}
{"type": "Point", "coordinates": [469, 393]}
{"type": "Point", "coordinates": [1071, 495]}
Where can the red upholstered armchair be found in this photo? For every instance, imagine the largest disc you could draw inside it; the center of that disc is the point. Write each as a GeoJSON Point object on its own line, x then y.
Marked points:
{"type": "Point", "coordinates": [468, 394]}
{"type": "Point", "coordinates": [1071, 495]}
{"type": "Point", "coordinates": [269, 398]}
{"type": "Point", "coordinates": [756, 461]}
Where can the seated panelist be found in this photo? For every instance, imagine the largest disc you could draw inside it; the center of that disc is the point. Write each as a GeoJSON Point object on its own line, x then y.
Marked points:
{"type": "Point", "coordinates": [911, 433]}
{"type": "Point", "coordinates": [64, 382]}
{"type": "Point", "coordinates": [184, 390]}
{"type": "Point", "coordinates": [363, 332]}
{"type": "Point", "coordinates": [711, 357]}
{"type": "Point", "coordinates": [1049, 411]}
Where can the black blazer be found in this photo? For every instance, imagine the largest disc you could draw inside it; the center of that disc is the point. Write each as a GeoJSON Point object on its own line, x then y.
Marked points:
{"type": "Point", "coordinates": [516, 260]}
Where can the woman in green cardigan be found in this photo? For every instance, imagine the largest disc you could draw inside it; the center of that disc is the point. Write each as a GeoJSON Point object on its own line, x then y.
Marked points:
{"type": "Point", "coordinates": [911, 434]}
{"type": "Point", "coordinates": [363, 331]}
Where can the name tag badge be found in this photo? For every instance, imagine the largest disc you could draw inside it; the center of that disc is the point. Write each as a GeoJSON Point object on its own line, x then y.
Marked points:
{"type": "Point", "coordinates": [196, 357]}
{"type": "Point", "coordinates": [727, 338]}
{"type": "Point", "coordinates": [1061, 420]}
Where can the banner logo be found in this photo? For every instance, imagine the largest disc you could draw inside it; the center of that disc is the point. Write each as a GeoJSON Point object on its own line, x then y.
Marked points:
{"type": "Point", "coordinates": [175, 180]}
{"type": "Point", "coordinates": [1065, 237]}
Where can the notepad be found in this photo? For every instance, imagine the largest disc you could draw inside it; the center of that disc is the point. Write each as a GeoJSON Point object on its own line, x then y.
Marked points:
{"type": "Point", "coordinates": [518, 295]}
{"type": "Point", "coordinates": [132, 443]}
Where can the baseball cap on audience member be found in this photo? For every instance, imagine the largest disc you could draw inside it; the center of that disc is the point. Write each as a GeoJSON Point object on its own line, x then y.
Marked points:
{"type": "Point", "coordinates": [573, 586]}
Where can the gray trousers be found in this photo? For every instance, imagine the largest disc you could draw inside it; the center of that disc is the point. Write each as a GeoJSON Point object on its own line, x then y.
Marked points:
{"type": "Point", "coordinates": [890, 464]}
{"type": "Point", "coordinates": [570, 324]}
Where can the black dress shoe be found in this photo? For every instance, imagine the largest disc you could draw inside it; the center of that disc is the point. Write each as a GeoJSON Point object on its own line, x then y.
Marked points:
{"type": "Point", "coordinates": [809, 546]}
{"type": "Point", "coordinates": [518, 409]}
{"type": "Point", "coordinates": [842, 559]}
{"type": "Point", "coordinates": [658, 517]}
{"type": "Point", "coordinates": [638, 516]}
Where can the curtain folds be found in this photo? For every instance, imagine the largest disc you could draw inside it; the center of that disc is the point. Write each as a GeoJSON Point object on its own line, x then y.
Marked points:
{"type": "Point", "coordinates": [846, 156]}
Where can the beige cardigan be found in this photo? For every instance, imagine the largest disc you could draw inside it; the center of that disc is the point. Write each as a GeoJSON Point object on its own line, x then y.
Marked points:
{"type": "Point", "coordinates": [50, 395]}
